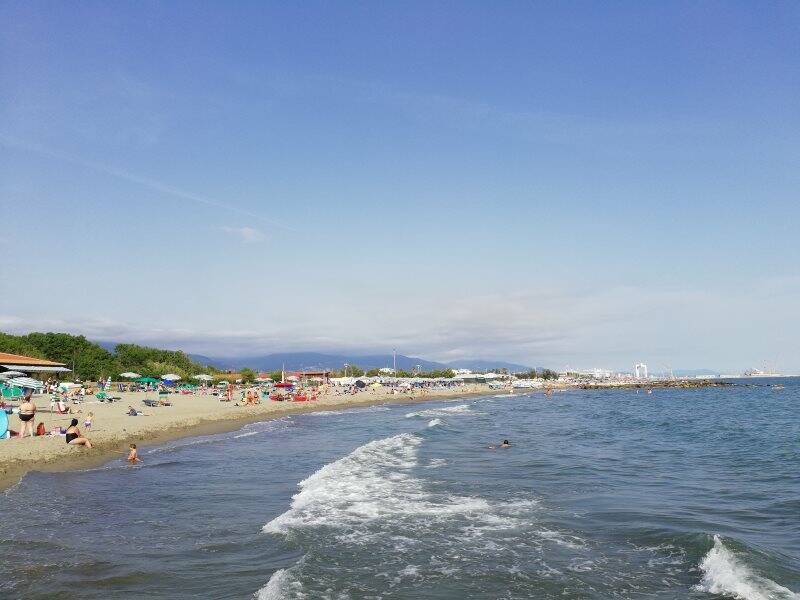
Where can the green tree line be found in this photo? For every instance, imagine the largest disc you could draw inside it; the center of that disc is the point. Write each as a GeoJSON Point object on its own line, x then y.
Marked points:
{"type": "Point", "coordinates": [534, 374]}
{"type": "Point", "coordinates": [90, 362]}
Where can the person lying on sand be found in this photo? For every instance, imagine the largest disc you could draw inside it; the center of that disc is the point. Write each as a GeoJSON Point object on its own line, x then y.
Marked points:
{"type": "Point", "coordinates": [74, 437]}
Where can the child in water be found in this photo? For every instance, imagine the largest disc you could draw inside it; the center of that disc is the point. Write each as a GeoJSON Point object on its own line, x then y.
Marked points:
{"type": "Point", "coordinates": [133, 455]}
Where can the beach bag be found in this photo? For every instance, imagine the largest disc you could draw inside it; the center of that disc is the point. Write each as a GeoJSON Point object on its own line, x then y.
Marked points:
{"type": "Point", "coordinates": [40, 430]}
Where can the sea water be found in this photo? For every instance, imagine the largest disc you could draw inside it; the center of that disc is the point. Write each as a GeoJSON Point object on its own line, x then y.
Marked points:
{"type": "Point", "coordinates": [682, 493]}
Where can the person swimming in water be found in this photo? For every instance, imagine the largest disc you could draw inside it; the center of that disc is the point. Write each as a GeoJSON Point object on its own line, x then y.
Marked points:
{"type": "Point", "coordinates": [505, 444]}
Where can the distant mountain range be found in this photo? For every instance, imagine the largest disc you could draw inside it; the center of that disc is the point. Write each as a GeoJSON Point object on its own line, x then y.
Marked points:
{"type": "Point", "coordinates": [294, 361]}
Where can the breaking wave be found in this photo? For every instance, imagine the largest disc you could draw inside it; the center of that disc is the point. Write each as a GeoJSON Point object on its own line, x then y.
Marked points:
{"type": "Point", "coordinates": [726, 574]}
{"type": "Point", "coordinates": [369, 503]}
{"type": "Point", "coordinates": [448, 411]}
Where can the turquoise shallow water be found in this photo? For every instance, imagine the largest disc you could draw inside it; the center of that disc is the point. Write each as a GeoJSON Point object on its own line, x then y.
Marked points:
{"type": "Point", "coordinates": [604, 494]}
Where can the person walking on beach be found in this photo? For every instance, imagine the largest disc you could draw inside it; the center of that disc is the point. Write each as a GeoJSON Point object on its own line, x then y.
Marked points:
{"type": "Point", "coordinates": [27, 411]}
{"type": "Point", "coordinates": [74, 437]}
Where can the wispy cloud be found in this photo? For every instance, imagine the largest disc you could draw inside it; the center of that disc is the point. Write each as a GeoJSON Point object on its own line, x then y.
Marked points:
{"type": "Point", "coordinates": [612, 327]}
{"type": "Point", "coordinates": [146, 182]}
{"type": "Point", "coordinates": [248, 235]}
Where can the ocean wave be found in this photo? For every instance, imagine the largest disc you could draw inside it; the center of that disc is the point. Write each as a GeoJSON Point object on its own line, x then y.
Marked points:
{"type": "Point", "coordinates": [434, 422]}
{"type": "Point", "coordinates": [448, 411]}
{"type": "Point", "coordinates": [347, 411]}
{"type": "Point", "coordinates": [280, 586]}
{"type": "Point", "coordinates": [372, 482]}
{"type": "Point", "coordinates": [726, 574]}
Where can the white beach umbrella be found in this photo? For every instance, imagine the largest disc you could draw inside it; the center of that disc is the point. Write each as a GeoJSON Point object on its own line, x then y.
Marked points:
{"type": "Point", "coordinates": [26, 382]}
{"type": "Point", "coordinates": [170, 377]}
{"type": "Point", "coordinates": [203, 377]}
{"type": "Point", "coordinates": [130, 375]}
{"type": "Point", "coordinates": [10, 374]}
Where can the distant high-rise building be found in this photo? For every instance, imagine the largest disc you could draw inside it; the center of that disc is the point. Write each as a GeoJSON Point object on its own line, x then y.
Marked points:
{"type": "Point", "coordinates": [640, 371]}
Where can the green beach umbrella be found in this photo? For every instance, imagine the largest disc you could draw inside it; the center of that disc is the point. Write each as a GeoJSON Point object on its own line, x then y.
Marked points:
{"type": "Point", "coordinates": [147, 380]}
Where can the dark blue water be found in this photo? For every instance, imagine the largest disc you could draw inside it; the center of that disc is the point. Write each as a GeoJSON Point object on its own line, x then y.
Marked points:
{"type": "Point", "coordinates": [604, 494]}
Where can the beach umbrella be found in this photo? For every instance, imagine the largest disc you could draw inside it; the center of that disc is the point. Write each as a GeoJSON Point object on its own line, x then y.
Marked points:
{"type": "Point", "coordinates": [10, 374]}
{"type": "Point", "coordinates": [65, 385]}
{"type": "Point", "coordinates": [203, 377]}
{"type": "Point", "coordinates": [171, 377]}
{"type": "Point", "coordinates": [130, 375]}
{"type": "Point", "coordinates": [26, 382]}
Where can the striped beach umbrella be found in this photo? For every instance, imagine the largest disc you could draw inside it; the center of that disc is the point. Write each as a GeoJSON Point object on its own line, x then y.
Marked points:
{"type": "Point", "coordinates": [26, 382]}
{"type": "Point", "coordinates": [10, 374]}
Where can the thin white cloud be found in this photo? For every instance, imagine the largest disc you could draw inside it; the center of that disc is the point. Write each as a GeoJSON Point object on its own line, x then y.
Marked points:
{"type": "Point", "coordinates": [248, 235]}
{"type": "Point", "coordinates": [122, 174]}
{"type": "Point", "coordinates": [611, 328]}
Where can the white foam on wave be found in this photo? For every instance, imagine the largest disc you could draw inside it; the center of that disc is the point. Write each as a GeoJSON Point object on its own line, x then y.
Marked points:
{"type": "Point", "coordinates": [347, 411]}
{"type": "Point", "coordinates": [281, 585]}
{"type": "Point", "coordinates": [448, 411]}
{"type": "Point", "coordinates": [724, 573]}
{"type": "Point", "coordinates": [372, 482]}
{"type": "Point", "coordinates": [434, 422]}
{"type": "Point", "coordinates": [371, 503]}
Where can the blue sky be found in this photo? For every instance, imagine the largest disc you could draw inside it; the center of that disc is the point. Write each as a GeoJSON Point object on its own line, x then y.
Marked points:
{"type": "Point", "coordinates": [583, 184]}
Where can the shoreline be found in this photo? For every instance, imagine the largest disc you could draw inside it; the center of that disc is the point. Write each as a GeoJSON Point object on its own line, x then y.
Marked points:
{"type": "Point", "coordinates": [200, 415]}
{"type": "Point", "coordinates": [72, 458]}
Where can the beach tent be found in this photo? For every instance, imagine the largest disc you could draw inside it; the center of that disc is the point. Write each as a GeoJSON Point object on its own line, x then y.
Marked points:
{"type": "Point", "coordinates": [130, 375]}
{"type": "Point", "coordinates": [147, 380]}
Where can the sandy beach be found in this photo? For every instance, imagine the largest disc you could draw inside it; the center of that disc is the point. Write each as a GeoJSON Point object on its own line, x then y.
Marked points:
{"type": "Point", "coordinates": [190, 415]}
